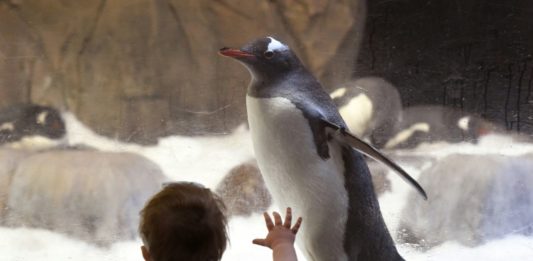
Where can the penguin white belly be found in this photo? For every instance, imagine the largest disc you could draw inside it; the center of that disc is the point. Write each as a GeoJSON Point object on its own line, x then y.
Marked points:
{"type": "Point", "coordinates": [297, 177]}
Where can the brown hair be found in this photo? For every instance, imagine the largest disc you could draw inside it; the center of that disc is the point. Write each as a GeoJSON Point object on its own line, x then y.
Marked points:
{"type": "Point", "coordinates": [184, 221]}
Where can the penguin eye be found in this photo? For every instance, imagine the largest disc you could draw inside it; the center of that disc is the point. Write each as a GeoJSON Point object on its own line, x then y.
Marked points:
{"type": "Point", "coordinates": [268, 54]}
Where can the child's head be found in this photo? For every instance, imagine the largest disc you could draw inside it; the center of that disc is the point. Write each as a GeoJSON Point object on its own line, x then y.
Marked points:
{"type": "Point", "coordinates": [184, 221]}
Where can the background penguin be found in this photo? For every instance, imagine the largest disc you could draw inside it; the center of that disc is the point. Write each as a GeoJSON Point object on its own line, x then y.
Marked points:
{"type": "Point", "coordinates": [370, 106]}
{"type": "Point", "coordinates": [432, 123]}
{"type": "Point", "coordinates": [31, 125]}
{"type": "Point", "coordinates": [326, 182]}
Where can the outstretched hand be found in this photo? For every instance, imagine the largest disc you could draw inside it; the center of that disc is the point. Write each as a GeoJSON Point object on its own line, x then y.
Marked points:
{"type": "Point", "coordinates": [279, 233]}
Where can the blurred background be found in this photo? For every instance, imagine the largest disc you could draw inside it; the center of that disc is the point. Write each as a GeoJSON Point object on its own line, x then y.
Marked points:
{"type": "Point", "coordinates": [445, 88]}
{"type": "Point", "coordinates": [152, 66]}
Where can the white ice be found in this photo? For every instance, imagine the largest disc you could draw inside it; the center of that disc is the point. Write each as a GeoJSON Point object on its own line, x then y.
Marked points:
{"type": "Point", "coordinates": [206, 160]}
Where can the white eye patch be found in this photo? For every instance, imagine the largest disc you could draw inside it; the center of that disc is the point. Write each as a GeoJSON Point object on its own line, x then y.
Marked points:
{"type": "Point", "coordinates": [41, 118]}
{"type": "Point", "coordinates": [276, 45]}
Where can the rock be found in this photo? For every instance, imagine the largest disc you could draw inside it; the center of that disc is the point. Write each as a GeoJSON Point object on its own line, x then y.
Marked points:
{"type": "Point", "coordinates": [139, 69]}
{"type": "Point", "coordinates": [243, 190]}
{"type": "Point", "coordinates": [90, 195]}
{"type": "Point", "coordinates": [9, 159]}
{"type": "Point", "coordinates": [472, 199]}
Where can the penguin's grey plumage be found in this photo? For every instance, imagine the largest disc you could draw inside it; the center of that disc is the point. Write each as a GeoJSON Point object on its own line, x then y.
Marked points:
{"type": "Point", "coordinates": [304, 166]}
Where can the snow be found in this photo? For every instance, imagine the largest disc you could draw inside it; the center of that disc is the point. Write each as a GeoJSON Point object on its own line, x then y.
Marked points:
{"type": "Point", "coordinates": [207, 159]}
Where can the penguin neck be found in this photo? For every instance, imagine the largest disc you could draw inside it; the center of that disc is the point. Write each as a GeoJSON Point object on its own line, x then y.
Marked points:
{"type": "Point", "coordinates": [263, 86]}
{"type": "Point", "coordinates": [268, 76]}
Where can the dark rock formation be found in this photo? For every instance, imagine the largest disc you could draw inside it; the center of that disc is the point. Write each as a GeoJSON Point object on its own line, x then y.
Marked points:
{"type": "Point", "coordinates": [472, 199]}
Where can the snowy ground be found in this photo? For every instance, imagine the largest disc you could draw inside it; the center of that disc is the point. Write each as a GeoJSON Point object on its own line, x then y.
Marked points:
{"type": "Point", "coordinates": [206, 160]}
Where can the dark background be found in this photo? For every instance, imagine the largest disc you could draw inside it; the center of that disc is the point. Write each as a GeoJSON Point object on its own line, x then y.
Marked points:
{"type": "Point", "coordinates": [471, 54]}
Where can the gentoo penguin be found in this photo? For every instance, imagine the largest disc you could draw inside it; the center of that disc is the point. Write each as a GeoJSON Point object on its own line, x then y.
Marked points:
{"type": "Point", "coordinates": [370, 106]}
{"type": "Point", "coordinates": [433, 123]}
{"type": "Point", "coordinates": [30, 125]}
{"type": "Point", "coordinates": [305, 164]}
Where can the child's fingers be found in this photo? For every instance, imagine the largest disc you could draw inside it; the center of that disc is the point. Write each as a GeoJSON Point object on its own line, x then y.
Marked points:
{"type": "Point", "coordinates": [268, 221]}
{"type": "Point", "coordinates": [297, 225]}
{"type": "Point", "coordinates": [277, 218]}
{"type": "Point", "coordinates": [260, 242]}
{"type": "Point", "coordinates": [288, 218]}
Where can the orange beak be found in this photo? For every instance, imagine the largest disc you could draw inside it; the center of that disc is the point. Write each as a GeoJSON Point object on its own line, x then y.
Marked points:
{"type": "Point", "coordinates": [234, 53]}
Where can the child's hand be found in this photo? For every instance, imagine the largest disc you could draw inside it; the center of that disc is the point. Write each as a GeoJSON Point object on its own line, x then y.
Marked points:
{"type": "Point", "coordinates": [278, 233]}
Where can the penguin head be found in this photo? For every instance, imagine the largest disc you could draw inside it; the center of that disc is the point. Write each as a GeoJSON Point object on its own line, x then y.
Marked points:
{"type": "Point", "coordinates": [265, 58]}
{"type": "Point", "coordinates": [44, 121]}
{"type": "Point", "coordinates": [27, 120]}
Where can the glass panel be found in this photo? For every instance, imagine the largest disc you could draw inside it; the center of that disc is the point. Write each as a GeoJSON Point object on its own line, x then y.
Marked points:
{"type": "Point", "coordinates": [103, 102]}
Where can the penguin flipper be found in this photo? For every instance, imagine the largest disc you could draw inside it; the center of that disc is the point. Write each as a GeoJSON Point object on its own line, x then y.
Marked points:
{"type": "Point", "coordinates": [344, 136]}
